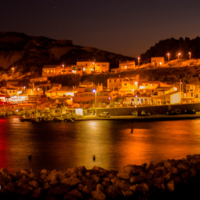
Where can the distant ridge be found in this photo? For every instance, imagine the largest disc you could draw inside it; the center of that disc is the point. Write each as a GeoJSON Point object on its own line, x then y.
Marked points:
{"type": "Point", "coordinates": [173, 46]}
{"type": "Point", "coordinates": [28, 52]}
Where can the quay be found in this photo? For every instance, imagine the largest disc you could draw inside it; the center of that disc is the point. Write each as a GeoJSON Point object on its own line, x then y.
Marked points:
{"type": "Point", "coordinates": [155, 117]}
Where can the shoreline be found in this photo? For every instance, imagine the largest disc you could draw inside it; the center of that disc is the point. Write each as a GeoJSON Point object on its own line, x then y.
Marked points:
{"type": "Point", "coordinates": [163, 180]}
{"type": "Point", "coordinates": [155, 117]}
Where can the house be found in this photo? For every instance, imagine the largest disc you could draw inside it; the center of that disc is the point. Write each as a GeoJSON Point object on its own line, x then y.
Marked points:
{"type": "Point", "coordinates": [32, 91]}
{"type": "Point", "coordinates": [128, 65]}
{"type": "Point", "coordinates": [115, 70]}
{"type": "Point", "coordinates": [61, 92]}
{"type": "Point", "coordinates": [101, 67]}
{"type": "Point", "coordinates": [71, 69]}
{"type": "Point", "coordinates": [150, 86]}
{"type": "Point", "coordinates": [38, 79]}
{"type": "Point", "coordinates": [104, 97]}
{"type": "Point", "coordinates": [51, 70]}
{"type": "Point", "coordinates": [87, 96]}
{"type": "Point", "coordinates": [191, 92]}
{"type": "Point", "coordinates": [88, 67]}
{"type": "Point", "coordinates": [137, 99]}
{"type": "Point", "coordinates": [114, 83]}
{"type": "Point", "coordinates": [129, 85]}
{"type": "Point", "coordinates": [157, 61]}
{"type": "Point", "coordinates": [166, 95]}
{"type": "Point", "coordinates": [12, 91]}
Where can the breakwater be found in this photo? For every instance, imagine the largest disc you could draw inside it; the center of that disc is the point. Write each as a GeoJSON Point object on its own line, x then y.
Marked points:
{"type": "Point", "coordinates": [174, 179]}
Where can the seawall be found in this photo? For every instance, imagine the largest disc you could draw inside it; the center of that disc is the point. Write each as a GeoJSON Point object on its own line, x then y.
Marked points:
{"type": "Point", "coordinates": [169, 179]}
{"type": "Point", "coordinates": [160, 109]}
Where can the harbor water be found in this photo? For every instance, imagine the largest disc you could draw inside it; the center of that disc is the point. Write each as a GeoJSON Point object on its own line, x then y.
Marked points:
{"type": "Point", "coordinates": [59, 146]}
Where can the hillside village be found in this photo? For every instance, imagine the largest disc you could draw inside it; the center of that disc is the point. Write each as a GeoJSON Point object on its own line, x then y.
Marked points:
{"type": "Point", "coordinates": [123, 88]}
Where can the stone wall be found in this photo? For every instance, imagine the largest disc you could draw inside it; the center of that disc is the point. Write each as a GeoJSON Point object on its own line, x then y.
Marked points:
{"type": "Point", "coordinates": [151, 109]}
{"type": "Point", "coordinates": [169, 179]}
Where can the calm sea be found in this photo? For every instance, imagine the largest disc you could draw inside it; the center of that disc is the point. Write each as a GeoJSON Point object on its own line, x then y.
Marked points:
{"type": "Point", "coordinates": [55, 145]}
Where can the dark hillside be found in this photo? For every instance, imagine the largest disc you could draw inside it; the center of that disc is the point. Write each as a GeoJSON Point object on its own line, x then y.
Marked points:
{"type": "Point", "coordinates": [173, 46]}
{"type": "Point", "coordinates": [27, 52]}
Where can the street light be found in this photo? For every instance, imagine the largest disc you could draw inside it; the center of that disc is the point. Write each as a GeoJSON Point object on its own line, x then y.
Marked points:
{"type": "Point", "coordinates": [109, 99]}
{"type": "Point", "coordinates": [168, 55]}
{"type": "Point", "coordinates": [179, 55]}
{"type": "Point", "coordinates": [94, 66]}
{"type": "Point", "coordinates": [13, 69]}
{"type": "Point", "coordinates": [190, 54]}
{"type": "Point", "coordinates": [138, 61]}
{"type": "Point", "coordinates": [95, 92]}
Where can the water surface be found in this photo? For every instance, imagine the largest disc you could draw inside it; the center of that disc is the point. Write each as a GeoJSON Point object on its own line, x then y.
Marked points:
{"type": "Point", "coordinates": [115, 144]}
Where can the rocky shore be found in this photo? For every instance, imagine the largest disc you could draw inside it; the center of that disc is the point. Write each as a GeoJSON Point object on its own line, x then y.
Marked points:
{"type": "Point", "coordinates": [169, 179]}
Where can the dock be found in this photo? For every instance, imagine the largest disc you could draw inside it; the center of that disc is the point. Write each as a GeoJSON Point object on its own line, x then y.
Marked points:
{"type": "Point", "coordinates": [156, 117]}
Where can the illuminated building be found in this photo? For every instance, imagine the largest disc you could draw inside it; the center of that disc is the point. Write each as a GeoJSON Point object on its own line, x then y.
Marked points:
{"type": "Point", "coordinates": [157, 61]}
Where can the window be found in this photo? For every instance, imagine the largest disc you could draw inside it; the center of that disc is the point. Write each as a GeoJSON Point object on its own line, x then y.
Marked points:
{"type": "Point", "coordinates": [145, 99]}
{"type": "Point", "coordinates": [110, 81]}
{"type": "Point", "coordinates": [81, 95]}
{"type": "Point", "coordinates": [132, 99]}
{"type": "Point", "coordinates": [125, 84]}
{"type": "Point", "coordinates": [137, 99]}
{"type": "Point", "coordinates": [141, 100]}
{"type": "Point", "coordinates": [115, 80]}
{"type": "Point", "coordinates": [86, 95]}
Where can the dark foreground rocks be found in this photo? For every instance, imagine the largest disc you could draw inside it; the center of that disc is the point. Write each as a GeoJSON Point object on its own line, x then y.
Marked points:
{"type": "Point", "coordinates": [169, 179]}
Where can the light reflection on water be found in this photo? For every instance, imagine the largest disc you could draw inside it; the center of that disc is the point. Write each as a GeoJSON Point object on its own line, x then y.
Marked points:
{"type": "Point", "coordinates": [114, 143]}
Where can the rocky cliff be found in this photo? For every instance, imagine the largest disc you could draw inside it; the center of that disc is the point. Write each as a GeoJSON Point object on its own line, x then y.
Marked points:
{"type": "Point", "coordinates": [29, 53]}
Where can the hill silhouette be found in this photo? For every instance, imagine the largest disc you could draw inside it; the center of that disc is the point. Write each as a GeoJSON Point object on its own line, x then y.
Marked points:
{"type": "Point", "coordinates": [173, 46]}
{"type": "Point", "coordinates": [29, 52]}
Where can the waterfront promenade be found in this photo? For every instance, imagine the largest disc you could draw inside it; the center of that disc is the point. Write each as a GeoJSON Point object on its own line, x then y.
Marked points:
{"type": "Point", "coordinates": [142, 118]}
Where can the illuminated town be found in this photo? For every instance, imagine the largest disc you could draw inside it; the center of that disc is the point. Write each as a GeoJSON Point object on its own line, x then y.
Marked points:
{"type": "Point", "coordinates": [122, 90]}
{"type": "Point", "coordinates": [99, 100]}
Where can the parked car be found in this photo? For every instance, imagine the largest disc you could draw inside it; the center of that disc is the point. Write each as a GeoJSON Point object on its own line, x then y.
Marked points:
{"type": "Point", "coordinates": [174, 112]}
{"type": "Point", "coordinates": [177, 111]}
{"type": "Point", "coordinates": [191, 111]}
{"type": "Point", "coordinates": [134, 113]}
{"type": "Point", "coordinates": [143, 113]}
{"type": "Point", "coordinates": [104, 114]}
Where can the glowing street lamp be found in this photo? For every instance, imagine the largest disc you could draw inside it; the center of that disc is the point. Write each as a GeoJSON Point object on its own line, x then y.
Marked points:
{"type": "Point", "coordinates": [95, 92]}
{"type": "Point", "coordinates": [190, 54]}
{"type": "Point", "coordinates": [13, 69]}
{"type": "Point", "coordinates": [168, 56]}
{"type": "Point", "coordinates": [63, 65]}
{"type": "Point", "coordinates": [136, 83]}
{"type": "Point", "coordinates": [93, 66]}
{"type": "Point", "coordinates": [138, 61]}
{"type": "Point", "coordinates": [179, 55]}
{"type": "Point", "coordinates": [109, 98]}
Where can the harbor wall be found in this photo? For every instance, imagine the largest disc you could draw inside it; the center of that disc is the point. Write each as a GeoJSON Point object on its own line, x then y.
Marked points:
{"type": "Point", "coordinates": [152, 109]}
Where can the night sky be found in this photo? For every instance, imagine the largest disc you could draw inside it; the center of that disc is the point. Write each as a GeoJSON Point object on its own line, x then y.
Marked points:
{"type": "Point", "coordinates": [128, 27]}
